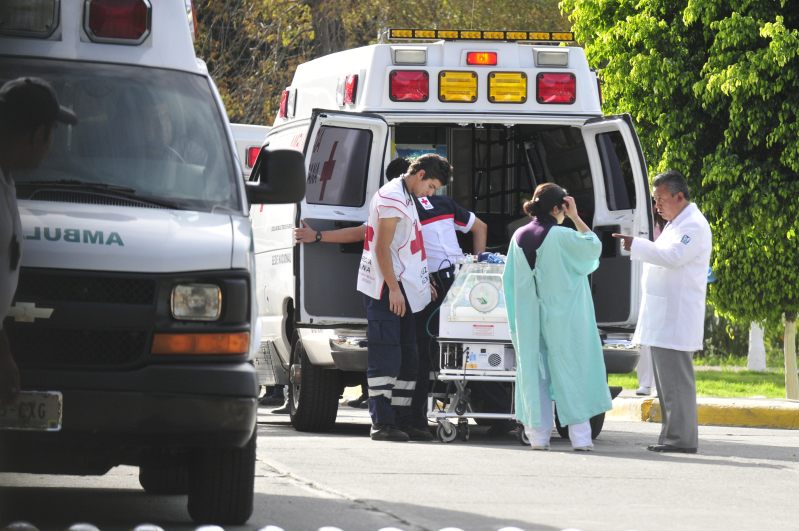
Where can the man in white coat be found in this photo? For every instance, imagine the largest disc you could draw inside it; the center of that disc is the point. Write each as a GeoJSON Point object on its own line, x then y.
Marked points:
{"type": "Point", "coordinates": [672, 315]}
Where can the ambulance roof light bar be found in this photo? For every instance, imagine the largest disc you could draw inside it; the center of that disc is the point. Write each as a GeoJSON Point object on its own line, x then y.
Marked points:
{"type": "Point", "coordinates": [406, 34]}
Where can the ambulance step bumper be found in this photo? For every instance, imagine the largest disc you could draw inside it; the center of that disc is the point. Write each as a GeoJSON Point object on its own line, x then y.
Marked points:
{"type": "Point", "coordinates": [349, 350]}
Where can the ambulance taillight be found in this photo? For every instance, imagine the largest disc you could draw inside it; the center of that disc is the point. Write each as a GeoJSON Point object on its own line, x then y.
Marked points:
{"type": "Point", "coordinates": [252, 155]}
{"type": "Point", "coordinates": [409, 85]}
{"type": "Point", "coordinates": [556, 88]}
{"type": "Point", "coordinates": [481, 58]}
{"type": "Point", "coordinates": [284, 104]}
{"type": "Point", "coordinates": [350, 88]}
{"type": "Point", "coordinates": [27, 18]}
{"type": "Point", "coordinates": [118, 21]}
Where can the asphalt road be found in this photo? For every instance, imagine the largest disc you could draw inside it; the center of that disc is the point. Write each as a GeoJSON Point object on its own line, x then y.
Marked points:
{"type": "Point", "coordinates": [742, 478]}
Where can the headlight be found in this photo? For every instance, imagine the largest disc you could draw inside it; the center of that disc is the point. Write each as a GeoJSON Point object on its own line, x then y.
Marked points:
{"type": "Point", "coordinates": [196, 302]}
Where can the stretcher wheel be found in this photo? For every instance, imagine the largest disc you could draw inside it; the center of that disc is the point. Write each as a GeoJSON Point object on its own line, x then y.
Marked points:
{"type": "Point", "coordinates": [597, 422]}
{"type": "Point", "coordinates": [446, 432]}
{"type": "Point", "coordinates": [521, 435]}
{"type": "Point", "coordinates": [463, 430]}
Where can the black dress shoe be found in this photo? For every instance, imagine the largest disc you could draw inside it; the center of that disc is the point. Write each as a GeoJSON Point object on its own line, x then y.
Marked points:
{"type": "Point", "coordinates": [669, 448]}
{"type": "Point", "coordinates": [417, 434]}
{"type": "Point", "coordinates": [384, 432]}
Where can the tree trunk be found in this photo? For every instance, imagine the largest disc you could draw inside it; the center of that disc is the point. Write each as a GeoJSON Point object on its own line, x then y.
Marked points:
{"type": "Point", "coordinates": [756, 359]}
{"type": "Point", "coordinates": [791, 377]}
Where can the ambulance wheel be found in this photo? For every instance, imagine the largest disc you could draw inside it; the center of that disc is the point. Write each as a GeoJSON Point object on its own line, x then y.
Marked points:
{"type": "Point", "coordinates": [221, 484]}
{"type": "Point", "coordinates": [597, 422]}
{"type": "Point", "coordinates": [446, 432]}
{"type": "Point", "coordinates": [313, 393]}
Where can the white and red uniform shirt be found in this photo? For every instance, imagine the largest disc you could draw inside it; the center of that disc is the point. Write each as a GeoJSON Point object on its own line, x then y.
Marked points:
{"type": "Point", "coordinates": [408, 256]}
{"type": "Point", "coordinates": [441, 216]}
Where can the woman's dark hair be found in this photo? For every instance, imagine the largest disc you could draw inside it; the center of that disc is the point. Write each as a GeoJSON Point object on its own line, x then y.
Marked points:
{"type": "Point", "coordinates": [397, 167]}
{"type": "Point", "coordinates": [545, 198]}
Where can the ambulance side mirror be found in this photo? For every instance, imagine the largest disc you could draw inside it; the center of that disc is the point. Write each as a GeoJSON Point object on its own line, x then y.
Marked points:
{"type": "Point", "coordinates": [278, 176]}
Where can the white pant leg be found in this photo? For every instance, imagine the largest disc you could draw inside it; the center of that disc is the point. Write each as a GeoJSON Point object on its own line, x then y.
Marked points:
{"type": "Point", "coordinates": [540, 436]}
{"type": "Point", "coordinates": [580, 434]}
{"type": "Point", "coordinates": [646, 377]}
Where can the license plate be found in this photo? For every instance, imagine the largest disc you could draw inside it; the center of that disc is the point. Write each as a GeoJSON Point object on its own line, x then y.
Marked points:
{"type": "Point", "coordinates": [32, 410]}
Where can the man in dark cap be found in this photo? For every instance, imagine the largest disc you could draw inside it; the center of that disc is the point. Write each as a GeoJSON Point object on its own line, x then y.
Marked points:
{"type": "Point", "coordinates": [29, 111]}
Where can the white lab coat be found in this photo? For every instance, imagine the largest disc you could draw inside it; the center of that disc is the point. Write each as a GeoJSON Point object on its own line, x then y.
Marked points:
{"type": "Point", "coordinates": [674, 283]}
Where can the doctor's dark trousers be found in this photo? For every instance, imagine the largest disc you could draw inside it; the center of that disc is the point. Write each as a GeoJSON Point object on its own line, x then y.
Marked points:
{"type": "Point", "coordinates": [392, 361]}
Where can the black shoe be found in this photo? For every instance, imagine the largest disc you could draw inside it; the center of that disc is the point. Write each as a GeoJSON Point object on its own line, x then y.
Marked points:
{"type": "Point", "coordinates": [669, 448]}
{"type": "Point", "coordinates": [268, 400]}
{"type": "Point", "coordinates": [387, 433]}
{"type": "Point", "coordinates": [360, 402]}
{"type": "Point", "coordinates": [417, 434]}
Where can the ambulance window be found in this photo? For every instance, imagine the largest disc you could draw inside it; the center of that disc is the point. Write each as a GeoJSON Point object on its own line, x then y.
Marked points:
{"type": "Point", "coordinates": [338, 169]}
{"type": "Point", "coordinates": [619, 182]}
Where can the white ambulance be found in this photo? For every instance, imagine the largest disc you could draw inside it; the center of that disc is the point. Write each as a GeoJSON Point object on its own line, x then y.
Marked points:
{"type": "Point", "coordinates": [509, 109]}
{"type": "Point", "coordinates": [134, 323]}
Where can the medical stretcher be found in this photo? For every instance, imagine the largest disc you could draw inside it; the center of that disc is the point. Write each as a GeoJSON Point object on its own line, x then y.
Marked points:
{"type": "Point", "coordinates": [475, 347]}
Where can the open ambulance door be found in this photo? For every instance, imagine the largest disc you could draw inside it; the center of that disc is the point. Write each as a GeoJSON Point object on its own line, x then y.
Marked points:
{"type": "Point", "coordinates": [344, 156]}
{"type": "Point", "coordinates": [623, 205]}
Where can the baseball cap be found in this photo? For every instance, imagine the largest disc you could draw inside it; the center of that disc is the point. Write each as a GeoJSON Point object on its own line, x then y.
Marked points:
{"type": "Point", "coordinates": [32, 101]}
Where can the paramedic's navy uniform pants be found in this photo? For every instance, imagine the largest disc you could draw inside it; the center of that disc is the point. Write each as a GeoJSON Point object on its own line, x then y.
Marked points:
{"type": "Point", "coordinates": [393, 361]}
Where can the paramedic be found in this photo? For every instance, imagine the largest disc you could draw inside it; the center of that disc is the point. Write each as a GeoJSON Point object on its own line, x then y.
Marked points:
{"type": "Point", "coordinates": [552, 321]}
{"type": "Point", "coordinates": [29, 111]}
{"type": "Point", "coordinates": [394, 279]}
{"type": "Point", "coordinates": [672, 314]}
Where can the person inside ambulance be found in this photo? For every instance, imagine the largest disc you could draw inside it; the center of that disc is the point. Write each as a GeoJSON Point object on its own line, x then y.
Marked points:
{"type": "Point", "coordinates": [552, 322]}
{"type": "Point", "coordinates": [29, 112]}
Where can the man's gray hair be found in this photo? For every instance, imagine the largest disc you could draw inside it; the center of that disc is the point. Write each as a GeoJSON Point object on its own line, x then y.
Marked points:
{"type": "Point", "coordinates": [674, 181]}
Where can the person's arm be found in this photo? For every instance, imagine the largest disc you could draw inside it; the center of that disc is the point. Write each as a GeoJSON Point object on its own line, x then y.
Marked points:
{"type": "Point", "coordinates": [571, 213]}
{"type": "Point", "coordinates": [479, 236]}
{"type": "Point", "coordinates": [386, 227]}
{"type": "Point", "coordinates": [307, 234]}
{"type": "Point", "coordinates": [9, 373]}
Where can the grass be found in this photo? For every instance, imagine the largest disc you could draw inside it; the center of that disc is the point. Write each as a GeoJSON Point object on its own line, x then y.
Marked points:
{"type": "Point", "coordinates": [723, 383]}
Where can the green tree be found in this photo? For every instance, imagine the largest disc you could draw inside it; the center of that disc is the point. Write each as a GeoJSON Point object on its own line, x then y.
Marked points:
{"type": "Point", "coordinates": [714, 88]}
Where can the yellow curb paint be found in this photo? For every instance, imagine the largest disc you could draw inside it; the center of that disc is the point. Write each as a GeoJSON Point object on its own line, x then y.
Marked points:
{"type": "Point", "coordinates": [731, 413]}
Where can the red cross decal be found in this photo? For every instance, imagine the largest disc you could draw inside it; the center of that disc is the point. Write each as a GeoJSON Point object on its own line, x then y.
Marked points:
{"type": "Point", "coordinates": [418, 243]}
{"type": "Point", "coordinates": [327, 170]}
{"type": "Point", "coordinates": [370, 235]}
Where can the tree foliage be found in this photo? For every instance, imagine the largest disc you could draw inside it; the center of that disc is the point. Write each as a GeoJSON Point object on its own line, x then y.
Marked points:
{"type": "Point", "coordinates": [714, 88]}
{"type": "Point", "coordinates": [252, 47]}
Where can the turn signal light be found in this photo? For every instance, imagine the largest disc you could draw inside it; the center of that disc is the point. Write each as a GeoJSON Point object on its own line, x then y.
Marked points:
{"type": "Point", "coordinates": [457, 86]}
{"type": "Point", "coordinates": [229, 344]}
{"type": "Point", "coordinates": [118, 21]}
{"type": "Point", "coordinates": [556, 88]}
{"type": "Point", "coordinates": [350, 88]}
{"type": "Point", "coordinates": [507, 87]}
{"type": "Point", "coordinates": [252, 155]}
{"type": "Point", "coordinates": [409, 85]}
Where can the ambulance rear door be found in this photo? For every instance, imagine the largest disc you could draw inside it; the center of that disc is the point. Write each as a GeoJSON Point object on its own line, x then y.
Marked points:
{"type": "Point", "coordinates": [623, 205]}
{"type": "Point", "coordinates": [344, 155]}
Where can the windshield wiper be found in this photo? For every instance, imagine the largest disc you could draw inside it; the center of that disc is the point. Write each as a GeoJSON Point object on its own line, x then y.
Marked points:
{"type": "Point", "coordinates": [113, 189]}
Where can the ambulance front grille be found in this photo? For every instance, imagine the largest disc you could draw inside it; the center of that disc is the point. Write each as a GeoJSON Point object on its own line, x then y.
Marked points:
{"type": "Point", "coordinates": [34, 286]}
{"type": "Point", "coordinates": [54, 348]}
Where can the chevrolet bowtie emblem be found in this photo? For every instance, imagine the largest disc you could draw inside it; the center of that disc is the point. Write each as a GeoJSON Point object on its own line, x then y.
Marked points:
{"type": "Point", "coordinates": [27, 312]}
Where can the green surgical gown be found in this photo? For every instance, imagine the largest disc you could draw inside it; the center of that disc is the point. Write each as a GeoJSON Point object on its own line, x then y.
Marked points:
{"type": "Point", "coordinates": [553, 327]}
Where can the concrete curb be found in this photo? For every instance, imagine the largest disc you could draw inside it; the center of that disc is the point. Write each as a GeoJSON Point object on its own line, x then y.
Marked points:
{"type": "Point", "coordinates": [745, 412]}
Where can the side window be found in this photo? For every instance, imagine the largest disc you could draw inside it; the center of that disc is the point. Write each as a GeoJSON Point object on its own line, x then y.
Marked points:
{"type": "Point", "coordinates": [619, 183]}
{"type": "Point", "coordinates": [339, 165]}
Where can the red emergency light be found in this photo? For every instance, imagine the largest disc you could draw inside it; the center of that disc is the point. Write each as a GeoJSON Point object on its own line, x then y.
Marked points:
{"type": "Point", "coordinates": [252, 155]}
{"type": "Point", "coordinates": [409, 85]}
{"type": "Point", "coordinates": [118, 21]}
{"type": "Point", "coordinates": [284, 104]}
{"type": "Point", "coordinates": [350, 88]}
{"type": "Point", "coordinates": [481, 58]}
{"type": "Point", "coordinates": [556, 87]}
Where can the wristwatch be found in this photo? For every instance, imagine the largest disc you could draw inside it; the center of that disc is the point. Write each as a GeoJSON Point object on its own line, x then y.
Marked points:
{"type": "Point", "coordinates": [318, 237]}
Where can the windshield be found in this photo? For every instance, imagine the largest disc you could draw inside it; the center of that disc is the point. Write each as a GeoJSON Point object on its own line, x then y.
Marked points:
{"type": "Point", "coordinates": [152, 134]}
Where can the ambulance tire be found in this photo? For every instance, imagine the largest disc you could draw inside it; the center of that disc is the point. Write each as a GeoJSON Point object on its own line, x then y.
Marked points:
{"type": "Point", "coordinates": [164, 480]}
{"type": "Point", "coordinates": [313, 402]}
{"type": "Point", "coordinates": [222, 484]}
{"type": "Point", "coordinates": [597, 422]}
